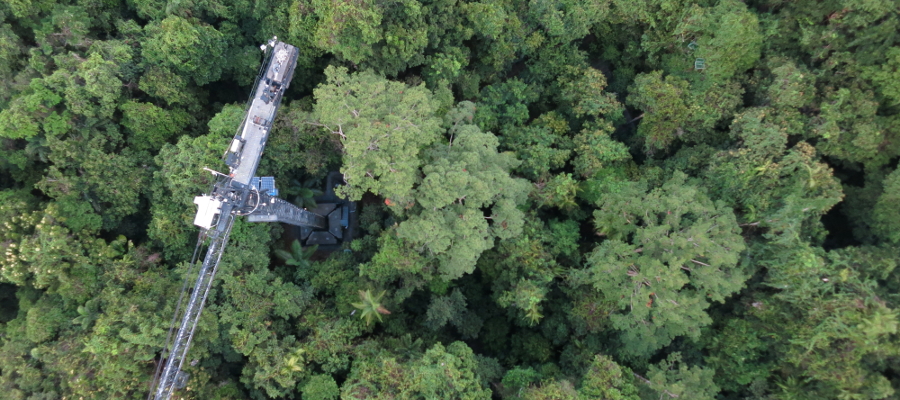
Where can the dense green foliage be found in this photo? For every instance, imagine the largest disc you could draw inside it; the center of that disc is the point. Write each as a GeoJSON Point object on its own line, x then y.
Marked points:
{"type": "Point", "coordinates": [558, 199]}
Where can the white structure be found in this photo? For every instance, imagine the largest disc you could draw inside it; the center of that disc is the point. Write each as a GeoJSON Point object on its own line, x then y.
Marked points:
{"type": "Point", "coordinates": [207, 209]}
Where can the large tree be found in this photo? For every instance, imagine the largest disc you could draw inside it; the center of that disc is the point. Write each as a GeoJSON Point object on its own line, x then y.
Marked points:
{"type": "Point", "coordinates": [669, 252]}
{"type": "Point", "coordinates": [465, 178]}
{"type": "Point", "coordinates": [383, 126]}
